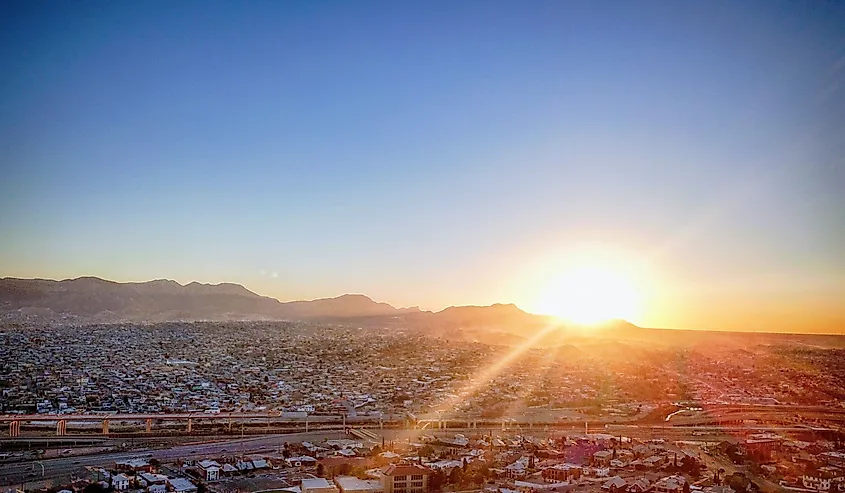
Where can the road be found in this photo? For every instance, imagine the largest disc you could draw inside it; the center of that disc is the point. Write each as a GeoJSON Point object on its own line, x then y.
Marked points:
{"type": "Point", "coordinates": [16, 473]}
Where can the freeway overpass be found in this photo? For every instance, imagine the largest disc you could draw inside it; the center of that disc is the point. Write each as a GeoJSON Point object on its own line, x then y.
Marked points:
{"type": "Point", "coordinates": [232, 423]}
{"type": "Point", "coordinates": [188, 423]}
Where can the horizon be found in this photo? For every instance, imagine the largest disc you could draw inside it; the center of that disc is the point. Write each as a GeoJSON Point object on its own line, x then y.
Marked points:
{"type": "Point", "coordinates": [443, 308]}
{"type": "Point", "coordinates": [676, 166]}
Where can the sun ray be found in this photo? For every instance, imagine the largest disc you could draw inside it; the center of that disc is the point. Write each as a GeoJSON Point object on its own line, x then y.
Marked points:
{"type": "Point", "coordinates": [483, 378]}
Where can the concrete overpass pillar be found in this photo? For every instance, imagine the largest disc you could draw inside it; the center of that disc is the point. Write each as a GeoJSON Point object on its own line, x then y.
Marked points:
{"type": "Point", "coordinates": [14, 429]}
{"type": "Point", "coordinates": [149, 425]}
{"type": "Point", "coordinates": [105, 427]}
{"type": "Point", "coordinates": [61, 428]}
{"type": "Point", "coordinates": [230, 425]}
{"type": "Point", "coordinates": [190, 424]}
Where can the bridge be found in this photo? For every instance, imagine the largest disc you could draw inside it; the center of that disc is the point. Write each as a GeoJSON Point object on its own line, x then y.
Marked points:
{"type": "Point", "coordinates": [149, 424]}
{"type": "Point", "coordinates": [186, 422]}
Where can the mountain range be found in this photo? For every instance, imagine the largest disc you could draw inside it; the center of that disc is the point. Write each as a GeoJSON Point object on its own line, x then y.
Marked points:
{"type": "Point", "coordinates": [93, 300]}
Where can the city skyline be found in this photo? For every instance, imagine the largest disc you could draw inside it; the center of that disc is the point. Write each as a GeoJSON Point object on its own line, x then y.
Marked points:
{"type": "Point", "coordinates": [458, 154]}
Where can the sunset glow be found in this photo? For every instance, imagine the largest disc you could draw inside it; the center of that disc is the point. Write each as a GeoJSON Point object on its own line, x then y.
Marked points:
{"type": "Point", "coordinates": [590, 295]}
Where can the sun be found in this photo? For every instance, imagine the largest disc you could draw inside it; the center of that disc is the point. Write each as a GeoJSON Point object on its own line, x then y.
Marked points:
{"type": "Point", "coordinates": [589, 295]}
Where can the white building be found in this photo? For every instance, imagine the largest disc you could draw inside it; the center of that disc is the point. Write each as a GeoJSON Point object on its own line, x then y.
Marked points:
{"type": "Point", "coordinates": [120, 482]}
{"type": "Point", "coordinates": [209, 469]}
{"type": "Point", "coordinates": [351, 484]}
{"type": "Point", "coordinates": [318, 485]}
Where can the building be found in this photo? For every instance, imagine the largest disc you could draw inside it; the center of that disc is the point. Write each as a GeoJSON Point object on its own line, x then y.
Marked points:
{"type": "Point", "coordinates": [351, 484]}
{"type": "Point", "coordinates": [151, 479]}
{"type": "Point", "coordinates": [182, 485]}
{"type": "Point", "coordinates": [404, 478]}
{"type": "Point", "coordinates": [136, 465]}
{"type": "Point", "coordinates": [301, 461]}
{"type": "Point", "coordinates": [562, 472]}
{"type": "Point", "coordinates": [835, 459]}
{"type": "Point", "coordinates": [209, 469]}
{"type": "Point", "coordinates": [602, 457]}
{"type": "Point", "coordinates": [670, 484]}
{"type": "Point", "coordinates": [639, 485]}
{"type": "Point", "coordinates": [614, 484]}
{"type": "Point", "coordinates": [318, 485]}
{"type": "Point", "coordinates": [120, 482]}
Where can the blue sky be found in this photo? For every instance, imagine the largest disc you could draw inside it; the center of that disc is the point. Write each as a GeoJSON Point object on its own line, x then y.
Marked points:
{"type": "Point", "coordinates": [432, 153]}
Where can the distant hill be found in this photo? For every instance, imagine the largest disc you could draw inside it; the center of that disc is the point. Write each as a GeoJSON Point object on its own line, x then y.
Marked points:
{"type": "Point", "coordinates": [91, 299]}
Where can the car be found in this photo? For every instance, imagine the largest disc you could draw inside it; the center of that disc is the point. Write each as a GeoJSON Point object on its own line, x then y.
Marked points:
{"type": "Point", "coordinates": [224, 450]}
{"type": "Point", "coordinates": [76, 462]}
{"type": "Point", "coordinates": [31, 475]}
{"type": "Point", "coordinates": [193, 451]}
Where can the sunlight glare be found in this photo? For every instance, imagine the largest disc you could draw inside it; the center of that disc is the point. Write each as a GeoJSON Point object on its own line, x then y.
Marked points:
{"type": "Point", "coordinates": [590, 295]}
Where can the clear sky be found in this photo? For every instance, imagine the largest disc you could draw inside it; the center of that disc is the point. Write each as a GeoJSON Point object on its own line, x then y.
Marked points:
{"type": "Point", "coordinates": [434, 153]}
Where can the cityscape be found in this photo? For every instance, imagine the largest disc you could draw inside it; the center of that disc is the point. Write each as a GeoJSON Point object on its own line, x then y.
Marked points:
{"type": "Point", "coordinates": [454, 246]}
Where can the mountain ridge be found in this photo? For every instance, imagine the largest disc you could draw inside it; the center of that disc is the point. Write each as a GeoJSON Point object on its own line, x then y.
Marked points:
{"type": "Point", "coordinates": [93, 299]}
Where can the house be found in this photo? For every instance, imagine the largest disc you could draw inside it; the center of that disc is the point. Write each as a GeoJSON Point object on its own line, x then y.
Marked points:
{"type": "Point", "coordinates": [229, 469]}
{"type": "Point", "coordinates": [654, 462]}
{"type": "Point", "coordinates": [135, 465]}
{"type": "Point", "coordinates": [153, 479]}
{"type": "Point", "coordinates": [639, 485]}
{"type": "Point", "coordinates": [301, 461]}
{"type": "Point", "coordinates": [182, 485]}
{"type": "Point", "coordinates": [518, 469]}
{"type": "Point", "coordinates": [260, 464]}
{"type": "Point", "coordinates": [670, 484]}
{"type": "Point", "coordinates": [120, 482]}
{"type": "Point", "coordinates": [405, 478]}
{"type": "Point", "coordinates": [641, 451]}
{"type": "Point", "coordinates": [596, 472]}
{"type": "Point", "coordinates": [602, 457]}
{"type": "Point", "coordinates": [351, 484]}
{"type": "Point", "coordinates": [445, 466]}
{"type": "Point", "coordinates": [562, 472]}
{"type": "Point", "coordinates": [614, 484]}
{"type": "Point", "coordinates": [209, 469]}
{"type": "Point", "coordinates": [318, 485]}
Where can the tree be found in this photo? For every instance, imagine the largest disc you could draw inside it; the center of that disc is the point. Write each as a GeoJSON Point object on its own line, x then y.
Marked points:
{"type": "Point", "coordinates": [455, 476]}
{"type": "Point", "coordinates": [201, 488]}
{"type": "Point", "coordinates": [738, 482]}
{"type": "Point", "coordinates": [426, 451]}
{"type": "Point", "coordinates": [321, 470]}
{"type": "Point", "coordinates": [376, 451]}
{"type": "Point", "coordinates": [93, 488]}
{"type": "Point", "coordinates": [344, 469]}
{"type": "Point", "coordinates": [436, 480]}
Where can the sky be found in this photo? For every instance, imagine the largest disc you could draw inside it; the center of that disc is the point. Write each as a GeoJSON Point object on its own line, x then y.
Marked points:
{"type": "Point", "coordinates": [435, 153]}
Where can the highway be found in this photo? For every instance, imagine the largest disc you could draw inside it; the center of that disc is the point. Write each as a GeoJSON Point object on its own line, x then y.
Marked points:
{"type": "Point", "coordinates": [16, 473]}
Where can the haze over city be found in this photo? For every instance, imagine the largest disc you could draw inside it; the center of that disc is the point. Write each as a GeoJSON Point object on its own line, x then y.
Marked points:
{"type": "Point", "coordinates": [422, 247]}
{"type": "Point", "coordinates": [685, 159]}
